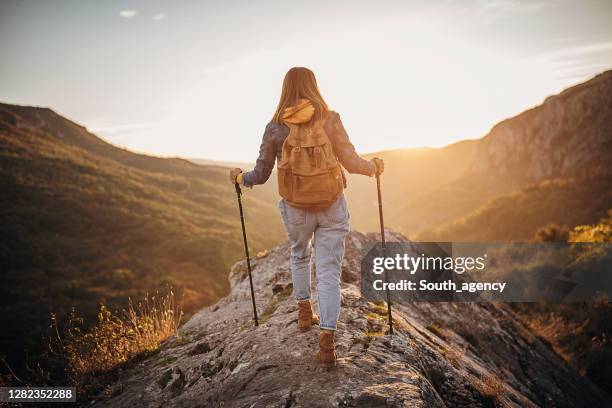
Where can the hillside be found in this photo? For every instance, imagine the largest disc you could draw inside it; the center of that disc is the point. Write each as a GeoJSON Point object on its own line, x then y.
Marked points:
{"type": "Point", "coordinates": [86, 222]}
{"type": "Point", "coordinates": [566, 137]}
{"type": "Point", "coordinates": [408, 174]}
{"type": "Point", "coordinates": [562, 202]}
{"type": "Point", "coordinates": [442, 354]}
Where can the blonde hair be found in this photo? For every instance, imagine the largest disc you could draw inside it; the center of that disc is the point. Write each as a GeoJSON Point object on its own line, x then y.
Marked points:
{"type": "Point", "coordinates": [300, 83]}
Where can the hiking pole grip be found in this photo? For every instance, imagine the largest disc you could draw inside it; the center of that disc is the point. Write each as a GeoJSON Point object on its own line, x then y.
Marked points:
{"type": "Point", "coordinates": [246, 251]}
{"type": "Point", "coordinates": [384, 250]}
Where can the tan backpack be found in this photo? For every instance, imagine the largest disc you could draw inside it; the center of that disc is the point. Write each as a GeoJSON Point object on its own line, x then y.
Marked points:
{"type": "Point", "coordinates": [309, 173]}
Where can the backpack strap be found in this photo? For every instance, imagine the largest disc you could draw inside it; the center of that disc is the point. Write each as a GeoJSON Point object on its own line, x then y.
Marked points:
{"type": "Point", "coordinates": [294, 129]}
{"type": "Point", "coordinates": [330, 136]}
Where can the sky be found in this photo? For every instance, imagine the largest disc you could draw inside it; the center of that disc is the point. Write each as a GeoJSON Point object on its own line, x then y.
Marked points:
{"type": "Point", "coordinates": [201, 79]}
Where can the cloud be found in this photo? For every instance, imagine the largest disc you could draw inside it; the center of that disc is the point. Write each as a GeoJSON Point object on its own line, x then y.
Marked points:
{"type": "Point", "coordinates": [580, 62]}
{"type": "Point", "coordinates": [127, 13]}
{"type": "Point", "coordinates": [159, 17]}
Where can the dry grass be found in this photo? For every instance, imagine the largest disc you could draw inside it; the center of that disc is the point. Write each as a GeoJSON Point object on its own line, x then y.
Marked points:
{"type": "Point", "coordinates": [379, 307]}
{"type": "Point", "coordinates": [378, 311]}
{"type": "Point", "coordinates": [116, 339]}
{"type": "Point", "coordinates": [550, 326]}
{"type": "Point", "coordinates": [374, 316]}
{"type": "Point", "coordinates": [273, 305]}
{"type": "Point", "coordinates": [454, 356]}
{"type": "Point", "coordinates": [437, 330]}
{"type": "Point", "coordinates": [492, 390]}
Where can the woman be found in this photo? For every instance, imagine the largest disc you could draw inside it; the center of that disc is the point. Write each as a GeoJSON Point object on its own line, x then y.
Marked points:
{"type": "Point", "coordinates": [309, 143]}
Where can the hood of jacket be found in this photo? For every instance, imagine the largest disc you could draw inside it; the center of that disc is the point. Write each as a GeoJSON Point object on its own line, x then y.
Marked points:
{"type": "Point", "coordinates": [300, 113]}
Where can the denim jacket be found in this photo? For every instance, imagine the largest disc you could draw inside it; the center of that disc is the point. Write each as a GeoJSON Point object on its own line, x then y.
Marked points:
{"type": "Point", "coordinates": [272, 143]}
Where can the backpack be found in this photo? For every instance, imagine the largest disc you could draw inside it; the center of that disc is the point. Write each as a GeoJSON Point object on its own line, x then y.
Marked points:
{"type": "Point", "coordinates": [309, 173]}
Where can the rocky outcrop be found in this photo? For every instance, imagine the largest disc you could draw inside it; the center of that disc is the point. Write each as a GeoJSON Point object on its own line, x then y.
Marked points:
{"type": "Point", "coordinates": [569, 135]}
{"type": "Point", "coordinates": [566, 139]}
{"type": "Point", "coordinates": [441, 355]}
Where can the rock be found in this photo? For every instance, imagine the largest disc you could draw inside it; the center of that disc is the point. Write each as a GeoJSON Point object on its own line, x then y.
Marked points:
{"type": "Point", "coordinates": [177, 381]}
{"type": "Point", "coordinates": [281, 287]}
{"type": "Point", "coordinates": [262, 254]}
{"type": "Point", "coordinates": [165, 378]}
{"type": "Point", "coordinates": [566, 129]}
{"type": "Point", "coordinates": [200, 348]}
{"type": "Point", "coordinates": [273, 365]}
{"type": "Point", "coordinates": [211, 368]}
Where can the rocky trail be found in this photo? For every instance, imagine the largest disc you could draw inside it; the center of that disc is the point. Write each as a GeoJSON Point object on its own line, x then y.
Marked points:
{"type": "Point", "coordinates": [442, 354]}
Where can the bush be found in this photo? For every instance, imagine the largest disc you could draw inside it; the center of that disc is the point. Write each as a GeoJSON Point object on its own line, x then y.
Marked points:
{"type": "Point", "coordinates": [89, 359]}
{"type": "Point", "coordinates": [601, 232]}
{"type": "Point", "coordinates": [552, 233]}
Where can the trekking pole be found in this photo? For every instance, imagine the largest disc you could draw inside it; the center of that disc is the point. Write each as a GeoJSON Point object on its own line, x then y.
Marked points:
{"type": "Point", "coordinates": [246, 250]}
{"type": "Point", "coordinates": [384, 248]}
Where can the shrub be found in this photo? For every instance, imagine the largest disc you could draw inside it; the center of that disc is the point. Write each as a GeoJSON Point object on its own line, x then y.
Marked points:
{"type": "Point", "coordinates": [552, 233]}
{"type": "Point", "coordinates": [492, 390]}
{"type": "Point", "coordinates": [88, 357]}
{"type": "Point", "coordinates": [601, 232]}
{"type": "Point", "coordinates": [437, 330]}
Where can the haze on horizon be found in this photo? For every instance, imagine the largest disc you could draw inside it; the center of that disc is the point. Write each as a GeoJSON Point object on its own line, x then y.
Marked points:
{"type": "Point", "coordinates": [202, 79]}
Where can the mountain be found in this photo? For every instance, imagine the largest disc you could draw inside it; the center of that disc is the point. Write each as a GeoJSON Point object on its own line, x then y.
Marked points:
{"type": "Point", "coordinates": [569, 135]}
{"type": "Point", "coordinates": [553, 163]}
{"type": "Point", "coordinates": [568, 138]}
{"type": "Point", "coordinates": [565, 203]}
{"type": "Point", "coordinates": [85, 222]}
{"type": "Point", "coordinates": [442, 354]}
{"type": "Point", "coordinates": [408, 174]}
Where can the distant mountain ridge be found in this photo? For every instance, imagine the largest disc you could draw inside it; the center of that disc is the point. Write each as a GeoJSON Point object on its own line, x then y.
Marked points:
{"type": "Point", "coordinates": [568, 137]}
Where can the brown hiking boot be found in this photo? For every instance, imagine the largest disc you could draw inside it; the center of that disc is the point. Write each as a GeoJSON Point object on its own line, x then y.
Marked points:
{"type": "Point", "coordinates": [327, 348]}
{"type": "Point", "coordinates": [305, 316]}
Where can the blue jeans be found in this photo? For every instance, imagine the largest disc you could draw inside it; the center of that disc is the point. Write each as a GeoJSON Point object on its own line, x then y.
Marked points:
{"type": "Point", "coordinates": [329, 228]}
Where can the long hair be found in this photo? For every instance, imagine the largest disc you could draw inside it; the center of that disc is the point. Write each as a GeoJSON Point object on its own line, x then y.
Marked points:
{"type": "Point", "coordinates": [300, 83]}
